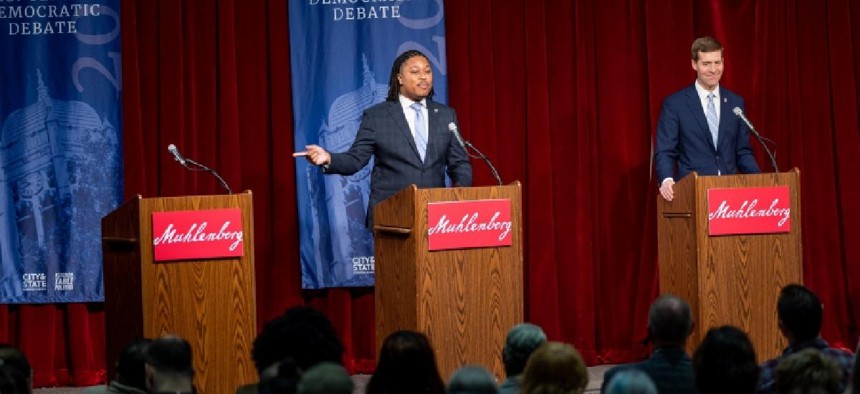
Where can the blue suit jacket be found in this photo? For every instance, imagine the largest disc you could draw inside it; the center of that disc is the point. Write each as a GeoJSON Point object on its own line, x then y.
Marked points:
{"type": "Point", "coordinates": [683, 138]}
{"type": "Point", "coordinates": [384, 134]}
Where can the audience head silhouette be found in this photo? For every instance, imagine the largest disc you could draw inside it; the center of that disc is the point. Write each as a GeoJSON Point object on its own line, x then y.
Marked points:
{"type": "Point", "coordinates": [725, 362]}
{"type": "Point", "coordinates": [523, 339]}
{"type": "Point", "coordinates": [169, 365]}
{"type": "Point", "coordinates": [406, 364]}
{"type": "Point", "coordinates": [16, 375]}
{"type": "Point", "coordinates": [130, 370]}
{"type": "Point", "coordinates": [303, 334]}
{"type": "Point", "coordinates": [280, 378]}
{"type": "Point", "coordinates": [808, 372]}
{"type": "Point", "coordinates": [800, 312]}
{"type": "Point", "coordinates": [669, 321]}
{"type": "Point", "coordinates": [472, 379]}
{"type": "Point", "coordinates": [855, 372]}
{"type": "Point", "coordinates": [326, 378]}
{"type": "Point", "coordinates": [632, 381]}
{"type": "Point", "coordinates": [555, 368]}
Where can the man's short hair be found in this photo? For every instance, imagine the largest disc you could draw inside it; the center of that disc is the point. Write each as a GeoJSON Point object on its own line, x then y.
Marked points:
{"type": "Point", "coordinates": [799, 310]}
{"type": "Point", "coordinates": [704, 44]}
{"type": "Point", "coordinates": [170, 355]}
{"type": "Point", "coordinates": [808, 371]}
{"type": "Point", "coordinates": [522, 341]}
{"type": "Point", "coordinates": [670, 319]}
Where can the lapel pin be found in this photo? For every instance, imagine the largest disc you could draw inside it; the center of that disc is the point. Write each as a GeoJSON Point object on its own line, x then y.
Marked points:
{"type": "Point", "coordinates": [725, 100]}
{"type": "Point", "coordinates": [435, 110]}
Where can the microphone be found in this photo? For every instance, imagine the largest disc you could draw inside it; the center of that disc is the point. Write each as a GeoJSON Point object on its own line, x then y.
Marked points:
{"type": "Point", "coordinates": [184, 161]}
{"type": "Point", "coordinates": [175, 152]}
{"type": "Point", "coordinates": [453, 127]}
{"type": "Point", "coordinates": [740, 113]}
{"type": "Point", "coordinates": [464, 143]}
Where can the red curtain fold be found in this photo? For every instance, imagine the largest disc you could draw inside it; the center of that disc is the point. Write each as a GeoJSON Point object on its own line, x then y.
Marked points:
{"type": "Point", "coordinates": [563, 95]}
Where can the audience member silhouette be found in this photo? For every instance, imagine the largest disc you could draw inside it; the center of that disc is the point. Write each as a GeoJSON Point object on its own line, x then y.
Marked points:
{"type": "Point", "coordinates": [12, 381]}
{"type": "Point", "coordinates": [725, 362]}
{"type": "Point", "coordinates": [303, 334]}
{"type": "Point", "coordinates": [281, 377]}
{"type": "Point", "coordinates": [406, 364]}
{"type": "Point", "coordinates": [130, 372]}
{"type": "Point", "coordinates": [326, 378]}
{"type": "Point", "coordinates": [16, 375]}
{"type": "Point", "coordinates": [630, 381]}
{"type": "Point", "coordinates": [808, 372]}
{"type": "Point", "coordinates": [670, 323]}
{"type": "Point", "coordinates": [523, 339]}
{"type": "Point", "coordinates": [800, 312]}
{"type": "Point", "coordinates": [855, 372]}
{"type": "Point", "coordinates": [555, 368]}
{"type": "Point", "coordinates": [169, 366]}
{"type": "Point", "coordinates": [472, 379]}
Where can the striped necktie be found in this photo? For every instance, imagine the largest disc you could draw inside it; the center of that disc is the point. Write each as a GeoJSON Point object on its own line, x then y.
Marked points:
{"type": "Point", "coordinates": [713, 121]}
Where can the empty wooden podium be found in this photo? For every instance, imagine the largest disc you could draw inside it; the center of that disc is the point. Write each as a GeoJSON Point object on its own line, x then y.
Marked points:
{"type": "Point", "coordinates": [211, 303]}
{"type": "Point", "coordinates": [728, 279]}
{"type": "Point", "coordinates": [465, 300]}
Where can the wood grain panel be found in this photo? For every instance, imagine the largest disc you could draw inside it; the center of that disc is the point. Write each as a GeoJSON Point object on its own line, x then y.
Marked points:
{"type": "Point", "coordinates": [732, 279]}
{"type": "Point", "coordinates": [211, 303]}
{"type": "Point", "coordinates": [464, 300]}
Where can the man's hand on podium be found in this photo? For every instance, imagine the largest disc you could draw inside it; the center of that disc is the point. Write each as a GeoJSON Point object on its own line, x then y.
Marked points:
{"type": "Point", "coordinates": [666, 189]}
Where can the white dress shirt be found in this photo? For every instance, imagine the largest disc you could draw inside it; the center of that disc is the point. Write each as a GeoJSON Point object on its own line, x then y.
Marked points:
{"type": "Point", "coordinates": [410, 114]}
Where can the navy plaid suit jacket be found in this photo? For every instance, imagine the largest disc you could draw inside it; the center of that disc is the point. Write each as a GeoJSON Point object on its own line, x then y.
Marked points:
{"type": "Point", "coordinates": [385, 135]}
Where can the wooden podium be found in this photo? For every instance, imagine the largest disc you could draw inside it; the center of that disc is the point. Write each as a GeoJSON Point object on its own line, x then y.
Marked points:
{"type": "Point", "coordinates": [211, 303]}
{"type": "Point", "coordinates": [465, 300]}
{"type": "Point", "coordinates": [730, 279]}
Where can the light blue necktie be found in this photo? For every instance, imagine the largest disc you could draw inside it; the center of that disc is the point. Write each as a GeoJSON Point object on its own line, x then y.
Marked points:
{"type": "Point", "coordinates": [713, 121]}
{"type": "Point", "coordinates": [420, 130]}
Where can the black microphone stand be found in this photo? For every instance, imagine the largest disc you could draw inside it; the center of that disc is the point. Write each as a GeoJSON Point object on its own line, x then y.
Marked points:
{"type": "Point", "coordinates": [211, 171]}
{"type": "Point", "coordinates": [485, 158]}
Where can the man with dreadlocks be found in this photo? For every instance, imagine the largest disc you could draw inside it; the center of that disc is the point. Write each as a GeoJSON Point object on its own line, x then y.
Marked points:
{"type": "Point", "coordinates": [409, 135]}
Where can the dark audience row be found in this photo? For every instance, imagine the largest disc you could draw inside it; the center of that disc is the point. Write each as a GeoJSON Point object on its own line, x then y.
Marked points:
{"type": "Point", "coordinates": [299, 352]}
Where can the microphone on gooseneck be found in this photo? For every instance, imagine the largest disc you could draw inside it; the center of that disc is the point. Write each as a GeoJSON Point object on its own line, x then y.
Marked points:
{"type": "Point", "coordinates": [740, 114]}
{"type": "Point", "coordinates": [453, 128]}
{"type": "Point", "coordinates": [184, 161]}
{"type": "Point", "coordinates": [176, 155]}
{"type": "Point", "coordinates": [464, 143]}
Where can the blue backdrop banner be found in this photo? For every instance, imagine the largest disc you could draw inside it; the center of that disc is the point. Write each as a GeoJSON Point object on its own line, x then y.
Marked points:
{"type": "Point", "coordinates": [342, 52]}
{"type": "Point", "coordinates": [60, 146]}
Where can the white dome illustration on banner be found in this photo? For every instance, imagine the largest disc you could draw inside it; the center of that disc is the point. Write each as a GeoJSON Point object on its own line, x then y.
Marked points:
{"type": "Point", "coordinates": [344, 197]}
{"type": "Point", "coordinates": [59, 169]}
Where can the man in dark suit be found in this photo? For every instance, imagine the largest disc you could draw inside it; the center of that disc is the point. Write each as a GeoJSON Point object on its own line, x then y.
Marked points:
{"type": "Point", "coordinates": [408, 134]}
{"type": "Point", "coordinates": [697, 130]}
{"type": "Point", "coordinates": [670, 323]}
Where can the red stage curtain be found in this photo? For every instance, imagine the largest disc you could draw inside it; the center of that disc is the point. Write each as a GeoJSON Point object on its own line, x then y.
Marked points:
{"type": "Point", "coordinates": [563, 95]}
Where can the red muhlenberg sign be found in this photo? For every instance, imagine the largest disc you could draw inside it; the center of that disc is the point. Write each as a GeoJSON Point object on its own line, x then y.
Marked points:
{"type": "Point", "coordinates": [469, 224]}
{"type": "Point", "coordinates": [188, 235]}
{"type": "Point", "coordinates": [752, 210]}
